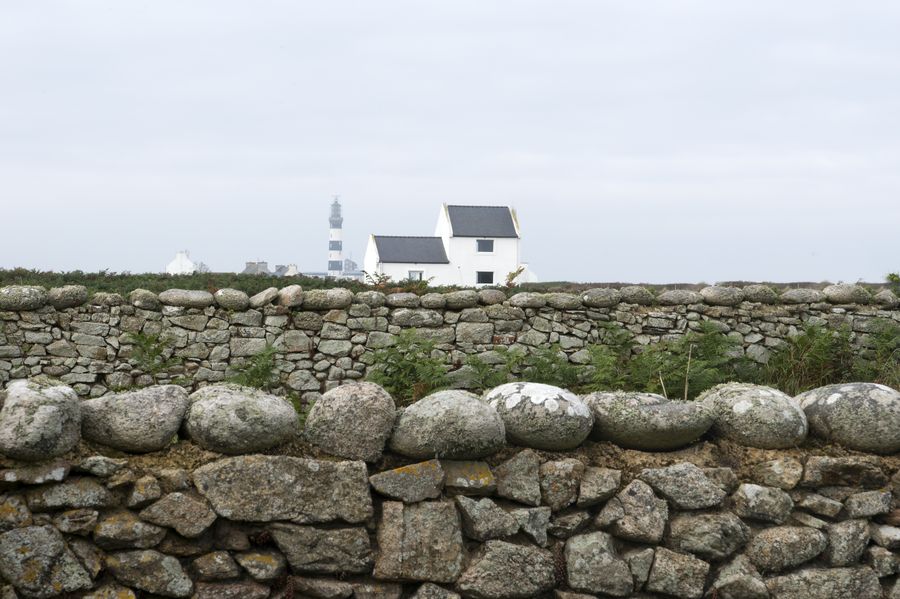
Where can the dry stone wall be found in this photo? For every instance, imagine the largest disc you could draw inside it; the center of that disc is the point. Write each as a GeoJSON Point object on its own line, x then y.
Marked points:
{"type": "Point", "coordinates": [325, 337]}
{"type": "Point", "coordinates": [714, 519]}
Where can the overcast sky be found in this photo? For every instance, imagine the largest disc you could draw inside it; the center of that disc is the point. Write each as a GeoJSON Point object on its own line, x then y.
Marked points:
{"type": "Point", "coordinates": [690, 140]}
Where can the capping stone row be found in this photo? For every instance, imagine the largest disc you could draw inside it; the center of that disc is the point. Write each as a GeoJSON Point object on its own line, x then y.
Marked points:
{"type": "Point", "coordinates": [28, 298]}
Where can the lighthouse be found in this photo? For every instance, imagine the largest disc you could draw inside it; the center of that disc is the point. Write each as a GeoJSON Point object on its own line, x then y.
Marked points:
{"type": "Point", "coordinates": [335, 240]}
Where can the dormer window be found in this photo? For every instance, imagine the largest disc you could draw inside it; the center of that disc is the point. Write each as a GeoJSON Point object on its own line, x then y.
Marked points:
{"type": "Point", "coordinates": [485, 246]}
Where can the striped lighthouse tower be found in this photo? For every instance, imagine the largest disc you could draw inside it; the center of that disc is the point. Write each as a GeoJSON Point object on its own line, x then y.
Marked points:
{"type": "Point", "coordinates": [335, 240]}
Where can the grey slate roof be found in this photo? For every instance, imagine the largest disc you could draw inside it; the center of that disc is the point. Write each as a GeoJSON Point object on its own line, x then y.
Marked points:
{"type": "Point", "coordinates": [421, 250]}
{"type": "Point", "coordinates": [482, 221]}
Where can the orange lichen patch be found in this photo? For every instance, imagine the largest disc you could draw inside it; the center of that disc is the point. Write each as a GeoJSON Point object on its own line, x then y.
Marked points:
{"type": "Point", "coordinates": [263, 559]}
{"type": "Point", "coordinates": [419, 468]}
{"type": "Point", "coordinates": [15, 512]}
{"type": "Point", "coordinates": [471, 475]}
{"type": "Point", "coordinates": [31, 571]}
{"type": "Point", "coordinates": [122, 517]}
{"type": "Point", "coordinates": [141, 485]}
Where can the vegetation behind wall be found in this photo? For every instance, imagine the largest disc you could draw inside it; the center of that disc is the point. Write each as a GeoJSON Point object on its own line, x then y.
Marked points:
{"type": "Point", "coordinates": [125, 282]}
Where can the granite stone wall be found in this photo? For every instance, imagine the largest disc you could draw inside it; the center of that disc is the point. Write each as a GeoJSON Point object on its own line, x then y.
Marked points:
{"type": "Point", "coordinates": [324, 337]}
{"type": "Point", "coordinates": [520, 524]}
{"type": "Point", "coordinates": [527, 492]}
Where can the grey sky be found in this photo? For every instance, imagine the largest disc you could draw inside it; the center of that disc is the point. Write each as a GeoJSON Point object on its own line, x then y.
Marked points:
{"type": "Point", "coordinates": [694, 140]}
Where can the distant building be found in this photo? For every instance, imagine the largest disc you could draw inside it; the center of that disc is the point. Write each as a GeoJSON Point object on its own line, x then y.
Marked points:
{"type": "Point", "coordinates": [262, 268]}
{"type": "Point", "coordinates": [256, 268]}
{"type": "Point", "coordinates": [183, 265]}
{"type": "Point", "coordinates": [350, 266]}
{"type": "Point", "coordinates": [527, 275]}
{"type": "Point", "coordinates": [471, 246]}
{"type": "Point", "coordinates": [286, 270]}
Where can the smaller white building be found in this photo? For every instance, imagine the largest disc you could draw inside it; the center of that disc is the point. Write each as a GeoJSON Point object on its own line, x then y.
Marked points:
{"type": "Point", "coordinates": [286, 270]}
{"type": "Point", "coordinates": [471, 246]}
{"type": "Point", "coordinates": [408, 258]}
{"type": "Point", "coordinates": [182, 265]}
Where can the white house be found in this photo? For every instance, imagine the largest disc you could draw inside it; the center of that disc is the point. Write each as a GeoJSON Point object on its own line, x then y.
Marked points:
{"type": "Point", "coordinates": [472, 245]}
{"type": "Point", "coordinates": [182, 265]}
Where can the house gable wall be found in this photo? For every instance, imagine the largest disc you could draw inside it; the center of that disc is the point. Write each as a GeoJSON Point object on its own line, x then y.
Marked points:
{"type": "Point", "coordinates": [465, 256]}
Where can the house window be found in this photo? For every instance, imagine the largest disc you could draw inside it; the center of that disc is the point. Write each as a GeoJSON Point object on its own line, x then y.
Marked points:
{"type": "Point", "coordinates": [416, 275]}
{"type": "Point", "coordinates": [484, 278]}
{"type": "Point", "coordinates": [485, 246]}
{"type": "Point", "coordinates": [335, 265]}
{"type": "Point", "coordinates": [336, 245]}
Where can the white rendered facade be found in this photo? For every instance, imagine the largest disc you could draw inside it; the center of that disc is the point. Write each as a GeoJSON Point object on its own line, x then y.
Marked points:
{"type": "Point", "coordinates": [472, 260]}
{"type": "Point", "coordinates": [181, 265]}
{"type": "Point", "coordinates": [401, 271]}
{"type": "Point", "coordinates": [468, 261]}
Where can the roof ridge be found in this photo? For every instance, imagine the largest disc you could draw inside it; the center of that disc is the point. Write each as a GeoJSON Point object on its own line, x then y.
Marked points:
{"type": "Point", "coordinates": [408, 236]}
{"type": "Point", "coordinates": [476, 206]}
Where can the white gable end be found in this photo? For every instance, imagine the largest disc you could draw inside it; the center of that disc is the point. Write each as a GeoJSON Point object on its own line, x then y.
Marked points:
{"type": "Point", "coordinates": [473, 260]}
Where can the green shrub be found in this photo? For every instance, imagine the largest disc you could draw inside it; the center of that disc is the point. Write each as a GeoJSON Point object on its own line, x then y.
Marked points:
{"type": "Point", "coordinates": [257, 371]}
{"type": "Point", "coordinates": [684, 367]}
{"type": "Point", "coordinates": [125, 282]}
{"type": "Point", "coordinates": [610, 366]}
{"type": "Point", "coordinates": [879, 362]}
{"type": "Point", "coordinates": [815, 357]}
{"type": "Point", "coordinates": [548, 365]}
{"type": "Point", "coordinates": [893, 281]}
{"type": "Point", "coordinates": [679, 368]}
{"type": "Point", "coordinates": [152, 354]}
{"type": "Point", "coordinates": [300, 407]}
{"type": "Point", "coordinates": [407, 369]}
{"type": "Point", "coordinates": [485, 376]}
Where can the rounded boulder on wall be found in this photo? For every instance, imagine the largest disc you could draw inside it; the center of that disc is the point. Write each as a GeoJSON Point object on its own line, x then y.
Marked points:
{"type": "Point", "coordinates": [448, 424]}
{"type": "Point", "coordinates": [635, 294]}
{"type": "Point", "coordinates": [861, 416]}
{"type": "Point", "coordinates": [646, 421]}
{"type": "Point", "coordinates": [137, 421]}
{"type": "Point", "coordinates": [717, 295]}
{"type": "Point", "coordinates": [233, 419]}
{"type": "Point", "coordinates": [352, 421]}
{"type": "Point", "coordinates": [67, 296]}
{"type": "Point", "coordinates": [187, 298]}
{"type": "Point", "coordinates": [38, 421]}
{"type": "Point", "coordinates": [755, 416]}
{"type": "Point", "coordinates": [232, 299]}
{"type": "Point", "coordinates": [762, 294]}
{"type": "Point", "coordinates": [22, 297]}
{"type": "Point", "coordinates": [601, 297]}
{"type": "Point", "coordinates": [541, 416]}
{"type": "Point", "coordinates": [847, 294]}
